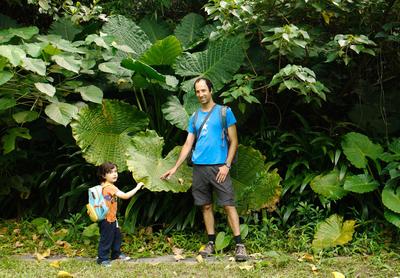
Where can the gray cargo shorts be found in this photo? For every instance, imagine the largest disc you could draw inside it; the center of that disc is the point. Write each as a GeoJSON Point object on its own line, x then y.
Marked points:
{"type": "Point", "coordinates": [204, 182]}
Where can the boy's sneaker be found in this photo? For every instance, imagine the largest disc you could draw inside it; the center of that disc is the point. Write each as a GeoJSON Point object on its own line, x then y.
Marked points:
{"type": "Point", "coordinates": [123, 257]}
{"type": "Point", "coordinates": [240, 253]}
{"type": "Point", "coordinates": [208, 250]}
{"type": "Point", "coordinates": [105, 263]}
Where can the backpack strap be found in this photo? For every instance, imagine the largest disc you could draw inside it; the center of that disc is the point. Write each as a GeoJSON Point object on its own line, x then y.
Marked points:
{"type": "Point", "coordinates": [224, 134]}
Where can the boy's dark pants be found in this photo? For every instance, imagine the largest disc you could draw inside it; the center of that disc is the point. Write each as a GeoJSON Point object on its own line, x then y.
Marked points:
{"type": "Point", "coordinates": [110, 238]}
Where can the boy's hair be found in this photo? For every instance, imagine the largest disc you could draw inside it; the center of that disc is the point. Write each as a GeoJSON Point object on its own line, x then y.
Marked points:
{"type": "Point", "coordinates": [208, 83]}
{"type": "Point", "coordinates": [104, 169]}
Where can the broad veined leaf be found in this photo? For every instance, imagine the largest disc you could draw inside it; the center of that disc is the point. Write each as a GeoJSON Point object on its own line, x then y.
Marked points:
{"type": "Point", "coordinates": [392, 217]}
{"type": "Point", "coordinates": [114, 68]}
{"type": "Point", "coordinates": [35, 65]}
{"type": "Point", "coordinates": [103, 132]}
{"type": "Point", "coordinates": [145, 161]}
{"type": "Point", "coordinates": [11, 135]}
{"type": "Point", "coordinates": [391, 198]}
{"type": "Point", "coordinates": [357, 147]}
{"type": "Point", "coordinates": [68, 62]}
{"type": "Point", "coordinates": [332, 232]}
{"type": "Point", "coordinates": [255, 188]}
{"type": "Point", "coordinates": [222, 241]}
{"type": "Point", "coordinates": [189, 30]}
{"type": "Point", "coordinates": [218, 63]}
{"type": "Point", "coordinates": [13, 53]}
{"type": "Point", "coordinates": [34, 49]}
{"type": "Point", "coordinates": [175, 113]}
{"type": "Point", "coordinates": [5, 76]}
{"type": "Point", "coordinates": [163, 52]}
{"type": "Point", "coordinates": [329, 185]}
{"type": "Point", "coordinates": [154, 29]}
{"type": "Point", "coordinates": [25, 116]}
{"type": "Point", "coordinates": [91, 93]}
{"type": "Point", "coordinates": [360, 184]}
{"type": "Point", "coordinates": [60, 43]}
{"type": "Point", "coordinates": [125, 31]}
{"type": "Point", "coordinates": [6, 103]}
{"type": "Point", "coordinates": [142, 69]}
{"type": "Point", "coordinates": [61, 112]}
{"type": "Point", "coordinates": [65, 28]}
{"type": "Point", "coordinates": [25, 32]}
{"type": "Point", "coordinates": [178, 114]}
{"type": "Point", "coordinates": [46, 88]}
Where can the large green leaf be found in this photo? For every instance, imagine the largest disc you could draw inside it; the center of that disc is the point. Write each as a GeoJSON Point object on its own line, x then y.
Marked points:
{"type": "Point", "coordinates": [5, 76]}
{"type": "Point", "coordinates": [392, 217]}
{"type": "Point", "coordinates": [142, 69]}
{"type": "Point", "coordinates": [255, 188]}
{"type": "Point", "coordinates": [333, 231]}
{"type": "Point", "coordinates": [65, 28]}
{"type": "Point", "coordinates": [357, 147]}
{"type": "Point", "coordinates": [46, 88]}
{"type": "Point", "coordinates": [68, 62]}
{"type": "Point", "coordinates": [189, 31]}
{"type": "Point", "coordinates": [103, 132]}
{"type": "Point", "coordinates": [35, 65]}
{"type": "Point", "coordinates": [218, 63]}
{"type": "Point", "coordinates": [154, 29]}
{"type": "Point", "coordinates": [163, 52]}
{"type": "Point", "coordinates": [91, 93]}
{"type": "Point", "coordinates": [25, 33]}
{"type": "Point", "coordinates": [13, 53]}
{"type": "Point", "coordinates": [61, 112]}
{"type": "Point", "coordinates": [61, 44]}
{"type": "Point", "coordinates": [360, 184]}
{"type": "Point", "coordinates": [25, 116]}
{"type": "Point", "coordinates": [11, 135]}
{"type": "Point", "coordinates": [146, 163]}
{"type": "Point", "coordinates": [391, 198]}
{"type": "Point", "coordinates": [329, 185]}
{"type": "Point", "coordinates": [127, 32]}
{"type": "Point", "coordinates": [178, 114]}
{"type": "Point", "coordinates": [6, 103]}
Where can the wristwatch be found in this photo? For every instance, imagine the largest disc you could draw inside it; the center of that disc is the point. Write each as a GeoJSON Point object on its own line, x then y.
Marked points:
{"type": "Point", "coordinates": [227, 165]}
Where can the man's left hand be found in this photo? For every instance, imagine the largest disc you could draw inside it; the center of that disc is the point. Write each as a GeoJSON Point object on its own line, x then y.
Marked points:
{"type": "Point", "coordinates": [222, 174]}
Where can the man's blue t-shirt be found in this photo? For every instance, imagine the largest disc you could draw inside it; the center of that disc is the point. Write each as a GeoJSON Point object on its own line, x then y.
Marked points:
{"type": "Point", "coordinates": [211, 148]}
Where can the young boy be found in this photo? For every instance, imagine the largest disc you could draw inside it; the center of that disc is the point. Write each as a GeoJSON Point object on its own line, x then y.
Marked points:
{"type": "Point", "coordinates": [110, 235]}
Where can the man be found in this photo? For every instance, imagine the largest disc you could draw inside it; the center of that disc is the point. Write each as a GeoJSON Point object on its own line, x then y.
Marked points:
{"type": "Point", "coordinates": [212, 161]}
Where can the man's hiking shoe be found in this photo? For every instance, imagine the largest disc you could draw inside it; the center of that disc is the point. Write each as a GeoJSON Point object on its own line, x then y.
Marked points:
{"type": "Point", "coordinates": [123, 257]}
{"type": "Point", "coordinates": [105, 263]}
{"type": "Point", "coordinates": [208, 250]}
{"type": "Point", "coordinates": [240, 253]}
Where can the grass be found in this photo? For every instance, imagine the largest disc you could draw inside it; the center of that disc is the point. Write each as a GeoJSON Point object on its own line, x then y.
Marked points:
{"type": "Point", "coordinates": [275, 253]}
{"type": "Point", "coordinates": [355, 266]}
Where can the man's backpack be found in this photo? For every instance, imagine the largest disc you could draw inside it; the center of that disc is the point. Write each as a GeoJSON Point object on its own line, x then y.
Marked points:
{"type": "Point", "coordinates": [97, 208]}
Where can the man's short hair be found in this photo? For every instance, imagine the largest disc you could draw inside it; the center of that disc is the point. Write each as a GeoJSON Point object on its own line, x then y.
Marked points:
{"type": "Point", "coordinates": [104, 169]}
{"type": "Point", "coordinates": [208, 83]}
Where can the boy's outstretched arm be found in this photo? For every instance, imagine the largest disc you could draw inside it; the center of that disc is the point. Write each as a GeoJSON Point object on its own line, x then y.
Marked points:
{"type": "Point", "coordinates": [182, 156]}
{"type": "Point", "coordinates": [130, 193]}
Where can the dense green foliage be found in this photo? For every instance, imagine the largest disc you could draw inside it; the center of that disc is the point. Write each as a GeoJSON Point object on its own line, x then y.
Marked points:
{"type": "Point", "coordinates": [312, 83]}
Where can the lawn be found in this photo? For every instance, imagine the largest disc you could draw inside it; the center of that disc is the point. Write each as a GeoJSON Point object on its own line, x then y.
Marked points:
{"type": "Point", "coordinates": [274, 264]}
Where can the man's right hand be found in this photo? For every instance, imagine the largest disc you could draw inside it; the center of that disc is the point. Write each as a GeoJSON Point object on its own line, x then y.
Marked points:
{"type": "Point", "coordinates": [167, 175]}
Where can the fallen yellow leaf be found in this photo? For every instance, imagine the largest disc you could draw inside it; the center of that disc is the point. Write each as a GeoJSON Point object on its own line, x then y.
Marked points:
{"type": "Point", "coordinates": [336, 274]}
{"type": "Point", "coordinates": [199, 259]}
{"type": "Point", "coordinates": [18, 244]}
{"type": "Point", "coordinates": [64, 274]}
{"type": "Point", "coordinates": [55, 264]}
{"type": "Point", "coordinates": [246, 267]}
{"type": "Point", "coordinates": [308, 257]}
{"type": "Point", "coordinates": [178, 257]}
{"type": "Point", "coordinates": [313, 267]}
{"type": "Point", "coordinates": [177, 251]}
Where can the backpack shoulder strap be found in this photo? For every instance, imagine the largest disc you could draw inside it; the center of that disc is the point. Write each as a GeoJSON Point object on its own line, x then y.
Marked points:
{"type": "Point", "coordinates": [196, 114]}
{"type": "Point", "coordinates": [223, 116]}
